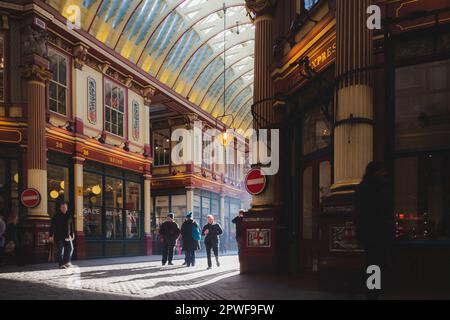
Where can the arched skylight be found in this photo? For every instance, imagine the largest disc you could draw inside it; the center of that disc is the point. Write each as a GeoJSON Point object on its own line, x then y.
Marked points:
{"type": "Point", "coordinates": [180, 43]}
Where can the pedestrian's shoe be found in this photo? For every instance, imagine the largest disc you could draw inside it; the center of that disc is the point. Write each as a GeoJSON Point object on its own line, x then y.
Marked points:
{"type": "Point", "coordinates": [63, 266]}
{"type": "Point", "coordinates": [209, 268]}
{"type": "Point", "coordinates": [163, 263]}
{"type": "Point", "coordinates": [184, 263]}
{"type": "Point", "coordinates": [170, 264]}
{"type": "Point", "coordinates": [68, 265]}
{"type": "Point", "coordinates": [217, 262]}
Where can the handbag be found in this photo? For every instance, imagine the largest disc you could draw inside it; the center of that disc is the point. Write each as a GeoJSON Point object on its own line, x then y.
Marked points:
{"type": "Point", "coordinates": [196, 233]}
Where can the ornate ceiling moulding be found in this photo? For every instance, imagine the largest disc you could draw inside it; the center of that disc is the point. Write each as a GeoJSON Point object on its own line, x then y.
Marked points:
{"type": "Point", "coordinates": [148, 93]}
{"type": "Point", "coordinates": [260, 7]}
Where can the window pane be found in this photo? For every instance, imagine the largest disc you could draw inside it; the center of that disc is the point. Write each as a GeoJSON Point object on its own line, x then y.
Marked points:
{"type": "Point", "coordinates": [422, 105]}
{"type": "Point", "coordinates": [113, 224]}
{"type": "Point", "coordinates": [108, 94]}
{"type": "Point", "coordinates": [113, 192]}
{"type": "Point", "coordinates": [2, 67]}
{"type": "Point", "coordinates": [92, 222]}
{"type": "Point", "coordinates": [315, 131]}
{"type": "Point", "coordinates": [93, 189]}
{"type": "Point", "coordinates": [133, 225]}
{"type": "Point", "coordinates": [133, 196]}
{"type": "Point", "coordinates": [62, 71]}
{"type": "Point", "coordinates": [161, 209]}
{"type": "Point", "coordinates": [62, 99]}
{"type": "Point", "coordinates": [58, 187]}
{"type": "Point", "coordinates": [179, 208]}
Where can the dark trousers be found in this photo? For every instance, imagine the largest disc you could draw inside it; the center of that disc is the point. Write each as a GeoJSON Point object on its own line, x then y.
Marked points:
{"type": "Point", "coordinates": [65, 251]}
{"type": "Point", "coordinates": [215, 248]}
{"type": "Point", "coordinates": [190, 257]}
{"type": "Point", "coordinates": [167, 253]}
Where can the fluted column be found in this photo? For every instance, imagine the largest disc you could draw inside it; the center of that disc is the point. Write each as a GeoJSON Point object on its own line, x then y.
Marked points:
{"type": "Point", "coordinates": [36, 76]}
{"type": "Point", "coordinates": [353, 137]}
{"type": "Point", "coordinates": [263, 87]}
{"type": "Point", "coordinates": [147, 215]}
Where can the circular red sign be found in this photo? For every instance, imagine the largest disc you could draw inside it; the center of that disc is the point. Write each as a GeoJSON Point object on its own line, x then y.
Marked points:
{"type": "Point", "coordinates": [30, 198]}
{"type": "Point", "coordinates": [255, 182]}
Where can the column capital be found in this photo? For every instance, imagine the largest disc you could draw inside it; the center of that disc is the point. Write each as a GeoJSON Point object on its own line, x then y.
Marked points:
{"type": "Point", "coordinates": [261, 7]}
{"type": "Point", "coordinates": [35, 72]}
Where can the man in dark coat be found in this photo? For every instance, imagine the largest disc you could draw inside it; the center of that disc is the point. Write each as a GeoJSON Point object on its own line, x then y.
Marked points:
{"type": "Point", "coordinates": [189, 243]}
{"type": "Point", "coordinates": [239, 229]}
{"type": "Point", "coordinates": [212, 231]}
{"type": "Point", "coordinates": [373, 223]}
{"type": "Point", "coordinates": [169, 232]}
{"type": "Point", "coordinates": [62, 232]}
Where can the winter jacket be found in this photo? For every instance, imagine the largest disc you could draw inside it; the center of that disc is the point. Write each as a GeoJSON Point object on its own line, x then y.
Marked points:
{"type": "Point", "coordinates": [62, 226]}
{"type": "Point", "coordinates": [215, 230]}
{"type": "Point", "coordinates": [189, 243]}
{"type": "Point", "coordinates": [238, 222]}
{"type": "Point", "coordinates": [169, 232]}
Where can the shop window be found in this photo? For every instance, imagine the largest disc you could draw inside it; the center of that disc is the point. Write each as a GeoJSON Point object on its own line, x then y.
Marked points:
{"type": "Point", "coordinates": [133, 210]}
{"type": "Point", "coordinates": [422, 197]}
{"type": "Point", "coordinates": [114, 108]}
{"type": "Point", "coordinates": [422, 116]}
{"type": "Point", "coordinates": [161, 209]}
{"type": "Point", "coordinates": [92, 202]}
{"type": "Point", "coordinates": [113, 208]}
{"type": "Point", "coordinates": [2, 68]}
{"type": "Point", "coordinates": [310, 3]}
{"type": "Point", "coordinates": [179, 208]}
{"type": "Point", "coordinates": [58, 187]}
{"type": "Point", "coordinates": [197, 205]}
{"type": "Point", "coordinates": [161, 147]}
{"type": "Point", "coordinates": [58, 89]}
{"type": "Point", "coordinates": [206, 147]}
{"type": "Point", "coordinates": [316, 131]}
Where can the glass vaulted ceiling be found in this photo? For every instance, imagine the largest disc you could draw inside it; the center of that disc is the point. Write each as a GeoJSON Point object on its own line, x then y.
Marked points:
{"type": "Point", "coordinates": [180, 42]}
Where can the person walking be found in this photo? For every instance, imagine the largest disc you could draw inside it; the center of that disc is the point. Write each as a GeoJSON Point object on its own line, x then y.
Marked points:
{"type": "Point", "coordinates": [372, 222]}
{"type": "Point", "coordinates": [191, 243]}
{"type": "Point", "coordinates": [212, 231]}
{"type": "Point", "coordinates": [169, 232]}
{"type": "Point", "coordinates": [62, 233]}
{"type": "Point", "coordinates": [239, 229]}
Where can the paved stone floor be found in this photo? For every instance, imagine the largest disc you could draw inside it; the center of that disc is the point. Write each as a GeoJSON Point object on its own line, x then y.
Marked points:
{"type": "Point", "coordinates": [145, 278]}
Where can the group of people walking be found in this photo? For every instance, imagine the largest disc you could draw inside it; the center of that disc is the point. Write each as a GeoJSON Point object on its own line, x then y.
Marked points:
{"type": "Point", "coordinates": [190, 235]}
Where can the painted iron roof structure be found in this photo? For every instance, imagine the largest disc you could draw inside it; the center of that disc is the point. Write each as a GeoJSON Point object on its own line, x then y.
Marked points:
{"type": "Point", "coordinates": [181, 43]}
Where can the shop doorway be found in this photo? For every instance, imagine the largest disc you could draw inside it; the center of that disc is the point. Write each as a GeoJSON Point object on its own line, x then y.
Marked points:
{"type": "Point", "coordinates": [315, 182]}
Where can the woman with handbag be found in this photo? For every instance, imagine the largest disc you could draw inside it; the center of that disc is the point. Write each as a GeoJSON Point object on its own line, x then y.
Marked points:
{"type": "Point", "coordinates": [191, 236]}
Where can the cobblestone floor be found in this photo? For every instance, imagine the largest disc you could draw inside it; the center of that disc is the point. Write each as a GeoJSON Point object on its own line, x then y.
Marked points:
{"type": "Point", "coordinates": [145, 278]}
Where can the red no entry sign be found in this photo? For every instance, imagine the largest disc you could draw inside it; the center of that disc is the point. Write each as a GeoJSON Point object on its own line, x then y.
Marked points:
{"type": "Point", "coordinates": [30, 198]}
{"type": "Point", "coordinates": [255, 182]}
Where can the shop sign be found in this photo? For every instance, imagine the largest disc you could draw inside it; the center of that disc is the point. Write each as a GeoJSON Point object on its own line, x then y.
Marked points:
{"type": "Point", "coordinates": [92, 101]}
{"type": "Point", "coordinates": [135, 120]}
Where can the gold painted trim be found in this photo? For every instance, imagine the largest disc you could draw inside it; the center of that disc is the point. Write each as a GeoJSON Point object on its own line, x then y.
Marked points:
{"type": "Point", "coordinates": [9, 141]}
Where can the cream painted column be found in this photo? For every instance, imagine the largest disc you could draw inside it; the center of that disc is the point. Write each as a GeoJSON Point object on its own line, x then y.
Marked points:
{"type": "Point", "coordinates": [78, 183]}
{"type": "Point", "coordinates": [189, 199]}
{"type": "Point", "coordinates": [147, 205]}
{"type": "Point", "coordinates": [36, 74]}
{"type": "Point", "coordinates": [353, 136]}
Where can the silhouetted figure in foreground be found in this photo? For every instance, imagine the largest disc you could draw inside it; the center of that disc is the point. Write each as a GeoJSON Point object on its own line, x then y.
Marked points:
{"type": "Point", "coordinates": [373, 231]}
